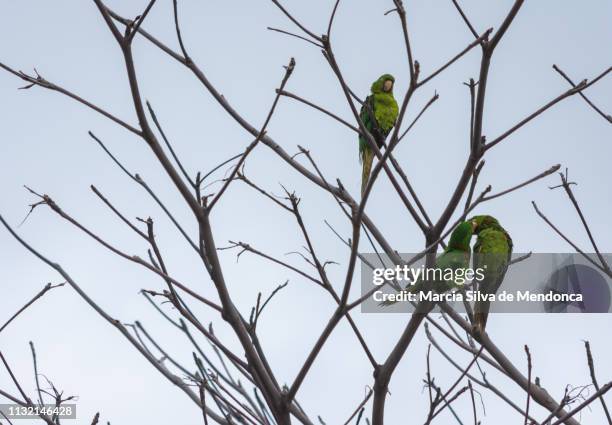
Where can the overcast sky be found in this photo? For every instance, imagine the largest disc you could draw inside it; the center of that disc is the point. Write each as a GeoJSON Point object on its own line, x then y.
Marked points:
{"type": "Point", "coordinates": [44, 144]}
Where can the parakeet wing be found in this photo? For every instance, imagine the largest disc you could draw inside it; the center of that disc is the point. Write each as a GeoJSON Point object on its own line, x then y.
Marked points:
{"type": "Point", "coordinates": [366, 117]}
{"type": "Point", "coordinates": [452, 259]}
{"type": "Point", "coordinates": [492, 253]}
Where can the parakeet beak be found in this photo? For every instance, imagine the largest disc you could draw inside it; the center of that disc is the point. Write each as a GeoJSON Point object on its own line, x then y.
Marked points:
{"type": "Point", "coordinates": [474, 225]}
{"type": "Point", "coordinates": [388, 86]}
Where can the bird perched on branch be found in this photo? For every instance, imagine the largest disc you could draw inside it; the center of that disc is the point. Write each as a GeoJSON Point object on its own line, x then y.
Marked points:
{"type": "Point", "coordinates": [492, 252]}
{"type": "Point", "coordinates": [378, 114]}
{"type": "Point", "coordinates": [456, 256]}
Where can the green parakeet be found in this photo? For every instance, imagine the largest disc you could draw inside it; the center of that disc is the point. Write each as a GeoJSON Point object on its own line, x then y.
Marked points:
{"type": "Point", "coordinates": [456, 256]}
{"type": "Point", "coordinates": [492, 252]}
{"type": "Point", "coordinates": [378, 114]}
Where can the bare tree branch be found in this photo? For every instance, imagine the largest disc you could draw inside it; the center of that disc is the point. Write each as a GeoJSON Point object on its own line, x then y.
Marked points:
{"type": "Point", "coordinates": [42, 292]}
{"type": "Point", "coordinates": [582, 95]}
{"type": "Point", "coordinates": [587, 347]}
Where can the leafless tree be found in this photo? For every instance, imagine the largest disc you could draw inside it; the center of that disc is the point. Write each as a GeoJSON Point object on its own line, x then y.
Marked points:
{"type": "Point", "coordinates": [230, 387]}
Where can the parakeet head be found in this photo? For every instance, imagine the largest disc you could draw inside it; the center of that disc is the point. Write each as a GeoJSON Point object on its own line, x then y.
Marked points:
{"type": "Point", "coordinates": [481, 222]}
{"type": "Point", "coordinates": [384, 84]}
{"type": "Point", "coordinates": [461, 236]}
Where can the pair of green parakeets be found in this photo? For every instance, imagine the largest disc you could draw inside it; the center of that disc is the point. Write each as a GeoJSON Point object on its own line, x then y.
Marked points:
{"type": "Point", "coordinates": [493, 248]}
{"type": "Point", "coordinates": [492, 254]}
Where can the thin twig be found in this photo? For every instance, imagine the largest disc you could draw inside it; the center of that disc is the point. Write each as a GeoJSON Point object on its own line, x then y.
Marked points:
{"type": "Point", "coordinates": [556, 229]}
{"type": "Point", "coordinates": [42, 292]}
{"type": "Point", "coordinates": [360, 407]}
{"type": "Point", "coordinates": [528, 383]}
{"type": "Point", "coordinates": [168, 144]}
{"type": "Point", "coordinates": [288, 71]}
{"type": "Point", "coordinates": [574, 90]}
{"type": "Point", "coordinates": [41, 82]}
{"type": "Point", "coordinates": [465, 19]}
{"type": "Point", "coordinates": [584, 404]}
{"type": "Point", "coordinates": [178, 34]}
{"type": "Point", "coordinates": [14, 379]}
{"type": "Point", "coordinates": [36, 380]}
{"type": "Point", "coordinates": [525, 183]}
{"type": "Point", "coordinates": [295, 21]}
{"type": "Point", "coordinates": [587, 347]}
{"type": "Point", "coordinates": [607, 117]}
{"type": "Point", "coordinates": [458, 56]}
{"type": "Point", "coordinates": [568, 190]}
{"type": "Point", "coordinates": [294, 35]}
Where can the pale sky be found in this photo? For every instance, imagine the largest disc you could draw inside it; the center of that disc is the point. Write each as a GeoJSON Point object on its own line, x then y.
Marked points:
{"type": "Point", "coordinates": [45, 146]}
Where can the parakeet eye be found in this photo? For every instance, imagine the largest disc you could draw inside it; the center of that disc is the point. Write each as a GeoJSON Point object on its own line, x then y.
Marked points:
{"type": "Point", "coordinates": [388, 85]}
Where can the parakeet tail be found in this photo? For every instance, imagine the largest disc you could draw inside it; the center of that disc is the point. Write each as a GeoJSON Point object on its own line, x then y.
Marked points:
{"type": "Point", "coordinates": [367, 158]}
{"type": "Point", "coordinates": [481, 312]}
